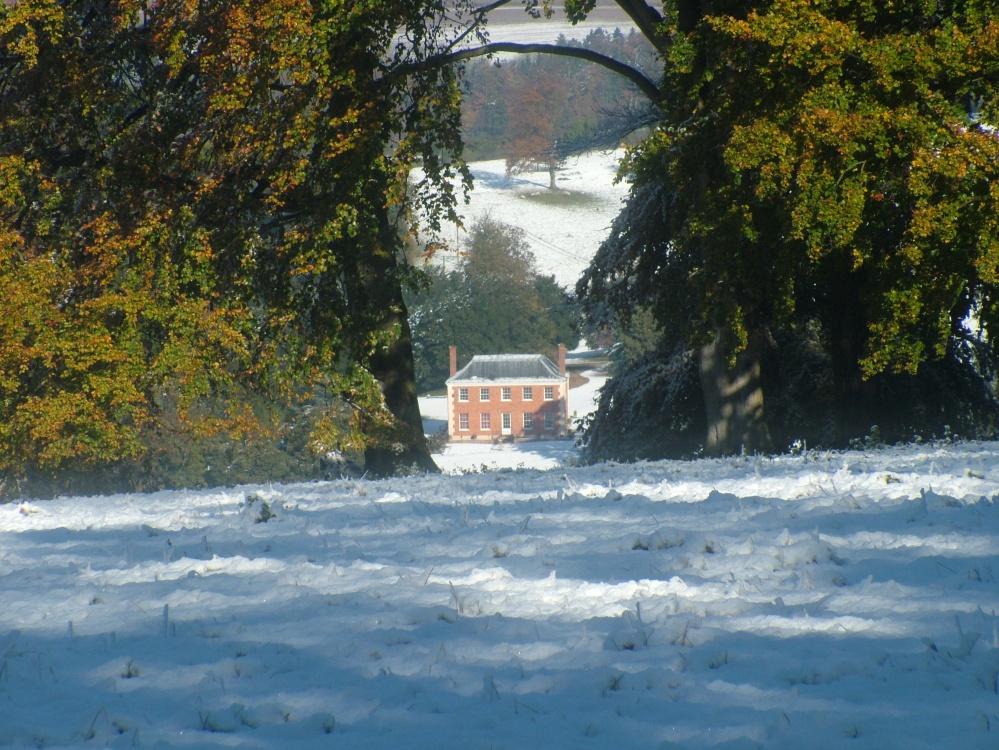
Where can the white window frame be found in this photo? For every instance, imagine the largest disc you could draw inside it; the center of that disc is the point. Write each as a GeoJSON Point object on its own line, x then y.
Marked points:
{"type": "Point", "coordinates": [528, 421]}
{"type": "Point", "coordinates": [485, 421]}
{"type": "Point", "coordinates": [483, 394]}
{"type": "Point", "coordinates": [463, 394]}
{"type": "Point", "coordinates": [549, 420]}
{"type": "Point", "coordinates": [506, 393]}
{"type": "Point", "coordinates": [549, 393]}
{"type": "Point", "coordinates": [528, 393]}
{"type": "Point", "coordinates": [463, 423]}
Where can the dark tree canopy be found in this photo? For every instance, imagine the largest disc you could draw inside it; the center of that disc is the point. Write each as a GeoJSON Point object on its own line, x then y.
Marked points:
{"type": "Point", "coordinates": [200, 202]}
{"type": "Point", "coordinates": [824, 161]}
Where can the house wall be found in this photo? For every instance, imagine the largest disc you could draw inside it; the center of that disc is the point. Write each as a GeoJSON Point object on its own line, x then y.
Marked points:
{"type": "Point", "coordinates": [516, 407]}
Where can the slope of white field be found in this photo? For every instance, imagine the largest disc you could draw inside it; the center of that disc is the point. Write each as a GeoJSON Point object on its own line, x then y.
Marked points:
{"type": "Point", "coordinates": [829, 601]}
{"type": "Point", "coordinates": [512, 24]}
{"type": "Point", "coordinates": [825, 601]}
{"type": "Point", "coordinates": [563, 231]}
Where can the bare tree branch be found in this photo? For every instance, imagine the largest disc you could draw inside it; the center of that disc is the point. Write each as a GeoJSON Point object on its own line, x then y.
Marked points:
{"type": "Point", "coordinates": [479, 19]}
{"type": "Point", "coordinates": [642, 82]}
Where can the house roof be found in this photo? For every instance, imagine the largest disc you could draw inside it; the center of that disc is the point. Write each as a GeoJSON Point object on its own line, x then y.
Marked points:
{"type": "Point", "coordinates": [508, 367]}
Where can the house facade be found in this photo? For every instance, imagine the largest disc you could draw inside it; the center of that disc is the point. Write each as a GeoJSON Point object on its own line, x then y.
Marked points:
{"type": "Point", "coordinates": [508, 397]}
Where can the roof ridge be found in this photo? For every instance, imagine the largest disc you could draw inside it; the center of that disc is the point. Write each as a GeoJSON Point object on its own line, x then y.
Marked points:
{"type": "Point", "coordinates": [507, 356]}
{"type": "Point", "coordinates": [508, 367]}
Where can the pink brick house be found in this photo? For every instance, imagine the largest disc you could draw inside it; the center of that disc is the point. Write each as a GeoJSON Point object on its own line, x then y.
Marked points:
{"type": "Point", "coordinates": [508, 396]}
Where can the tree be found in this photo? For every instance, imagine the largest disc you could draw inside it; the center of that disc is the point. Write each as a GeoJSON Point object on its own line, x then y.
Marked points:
{"type": "Point", "coordinates": [494, 302]}
{"type": "Point", "coordinates": [825, 157]}
{"type": "Point", "coordinates": [529, 107]}
{"type": "Point", "coordinates": [202, 200]}
{"type": "Point", "coordinates": [538, 107]}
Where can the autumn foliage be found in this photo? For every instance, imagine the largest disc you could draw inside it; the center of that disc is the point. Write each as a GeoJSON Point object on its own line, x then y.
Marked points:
{"type": "Point", "coordinates": [196, 205]}
{"type": "Point", "coordinates": [536, 110]}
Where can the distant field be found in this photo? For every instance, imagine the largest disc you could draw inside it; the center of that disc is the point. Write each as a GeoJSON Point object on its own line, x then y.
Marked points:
{"type": "Point", "coordinates": [512, 24]}
{"type": "Point", "coordinates": [561, 198]}
{"type": "Point", "coordinates": [609, 13]}
{"type": "Point", "coordinates": [563, 228]}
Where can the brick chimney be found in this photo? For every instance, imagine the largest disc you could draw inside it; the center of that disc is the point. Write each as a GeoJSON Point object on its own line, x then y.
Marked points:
{"type": "Point", "coordinates": [453, 350]}
{"type": "Point", "coordinates": [561, 359]}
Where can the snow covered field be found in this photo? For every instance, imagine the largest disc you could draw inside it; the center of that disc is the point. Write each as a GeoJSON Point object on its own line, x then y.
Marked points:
{"type": "Point", "coordinates": [512, 24]}
{"type": "Point", "coordinates": [830, 600]}
{"type": "Point", "coordinates": [826, 600]}
{"type": "Point", "coordinates": [563, 231]}
{"type": "Point", "coordinates": [563, 228]}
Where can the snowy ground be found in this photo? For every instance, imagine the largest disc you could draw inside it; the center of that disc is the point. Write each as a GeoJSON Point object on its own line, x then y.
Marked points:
{"type": "Point", "coordinates": [563, 235]}
{"type": "Point", "coordinates": [563, 230]}
{"type": "Point", "coordinates": [832, 600]}
{"type": "Point", "coordinates": [512, 24]}
{"type": "Point", "coordinates": [829, 600]}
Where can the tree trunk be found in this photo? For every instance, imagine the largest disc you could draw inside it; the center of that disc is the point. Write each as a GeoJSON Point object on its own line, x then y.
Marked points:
{"type": "Point", "coordinates": [846, 314]}
{"type": "Point", "coordinates": [733, 398]}
{"type": "Point", "coordinates": [392, 366]}
{"type": "Point", "coordinates": [379, 290]}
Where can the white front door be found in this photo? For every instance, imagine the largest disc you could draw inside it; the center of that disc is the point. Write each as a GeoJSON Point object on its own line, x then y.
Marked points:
{"type": "Point", "coordinates": [507, 424]}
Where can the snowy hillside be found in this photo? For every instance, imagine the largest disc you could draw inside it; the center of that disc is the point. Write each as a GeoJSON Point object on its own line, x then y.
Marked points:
{"type": "Point", "coordinates": [841, 600]}
{"type": "Point", "coordinates": [513, 24]}
{"type": "Point", "coordinates": [845, 600]}
{"type": "Point", "coordinates": [563, 228]}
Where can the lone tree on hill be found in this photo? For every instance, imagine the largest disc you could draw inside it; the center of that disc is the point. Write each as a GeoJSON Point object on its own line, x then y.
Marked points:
{"type": "Point", "coordinates": [585, 104]}
{"type": "Point", "coordinates": [538, 106]}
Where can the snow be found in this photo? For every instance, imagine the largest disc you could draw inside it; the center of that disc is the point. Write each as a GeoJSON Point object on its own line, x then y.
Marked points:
{"type": "Point", "coordinates": [459, 458]}
{"type": "Point", "coordinates": [562, 237]}
{"type": "Point", "coordinates": [564, 231]}
{"type": "Point", "coordinates": [562, 228]}
{"type": "Point", "coordinates": [824, 600]}
{"type": "Point", "coordinates": [512, 24]}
